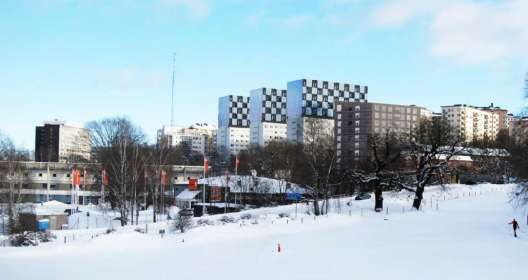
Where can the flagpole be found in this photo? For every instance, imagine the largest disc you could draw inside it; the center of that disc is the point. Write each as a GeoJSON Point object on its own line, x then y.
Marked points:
{"type": "Point", "coordinates": [236, 179]}
{"type": "Point", "coordinates": [72, 188]}
{"type": "Point", "coordinates": [203, 192]}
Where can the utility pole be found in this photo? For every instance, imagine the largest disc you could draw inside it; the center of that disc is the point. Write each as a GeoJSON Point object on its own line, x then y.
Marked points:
{"type": "Point", "coordinates": [172, 89]}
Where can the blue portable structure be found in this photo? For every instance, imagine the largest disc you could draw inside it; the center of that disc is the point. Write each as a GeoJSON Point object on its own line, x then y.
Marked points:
{"type": "Point", "coordinates": [43, 225]}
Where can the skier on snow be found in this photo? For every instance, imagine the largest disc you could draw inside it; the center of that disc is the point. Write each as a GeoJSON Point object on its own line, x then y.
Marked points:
{"type": "Point", "coordinates": [515, 226]}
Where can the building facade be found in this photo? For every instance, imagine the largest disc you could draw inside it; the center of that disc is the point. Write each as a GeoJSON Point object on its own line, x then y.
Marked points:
{"type": "Point", "coordinates": [267, 115]}
{"type": "Point", "coordinates": [501, 113]}
{"type": "Point", "coordinates": [199, 137]}
{"type": "Point", "coordinates": [313, 99]}
{"type": "Point", "coordinates": [57, 141]}
{"type": "Point", "coordinates": [356, 121]}
{"type": "Point", "coordinates": [472, 123]}
{"type": "Point", "coordinates": [46, 181]}
{"type": "Point", "coordinates": [233, 124]}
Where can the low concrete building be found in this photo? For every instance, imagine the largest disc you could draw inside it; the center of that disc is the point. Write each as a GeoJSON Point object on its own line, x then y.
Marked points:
{"type": "Point", "coordinates": [46, 181]}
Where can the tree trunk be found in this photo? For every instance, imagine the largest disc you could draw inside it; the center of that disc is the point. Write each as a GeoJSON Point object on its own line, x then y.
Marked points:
{"type": "Point", "coordinates": [154, 201]}
{"type": "Point", "coordinates": [317, 211]}
{"type": "Point", "coordinates": [418, 197]}
{"type": "Point", "coordinates": [378, 198]}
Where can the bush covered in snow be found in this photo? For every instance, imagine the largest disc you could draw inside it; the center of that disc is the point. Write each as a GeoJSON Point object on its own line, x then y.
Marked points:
{"type": "Point", "coordinates": [228, 220]}
{"type": "Point", "coordinates": [29, 238]}
{"type": "Point", "coordinates": [205, 222]}
{"type": "Point", "coordinates": [246, 216]}
{"type": "Point", "coordinates": [183, 221]}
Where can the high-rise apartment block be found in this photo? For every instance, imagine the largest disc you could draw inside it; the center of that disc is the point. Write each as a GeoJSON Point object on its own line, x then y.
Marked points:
{"type": "Point", "coordinates": [267, 116]}
{"type": "Point", "coordinates": [472, 123]}
{"type": "Point", "coordinates": [501, 113]}
{"type": "Point", "coordinates": [355, 121]}
{"type": "Point", "coordinates": [313, 99]}
{"type": "Point", "coordinates": [57, 141]}
{"type": "Point", "coordinates": [199, 138]}
{"type": "Point", "coordinates": [233, 124]}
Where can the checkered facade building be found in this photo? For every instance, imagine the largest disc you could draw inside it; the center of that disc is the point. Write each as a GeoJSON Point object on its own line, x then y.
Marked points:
{"type": "Point", "coordinates": [268, 112]}
{"type": "Point", "coordinates": [238, 111]}
{"type": "Point", "coordinates": [270, 103]}
{"type": "Point", "coordinates": [233, 124]}
{"type": "Point", "coordinates": [316, 99]}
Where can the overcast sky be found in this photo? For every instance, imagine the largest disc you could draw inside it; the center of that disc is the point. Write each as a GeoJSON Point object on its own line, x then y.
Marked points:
{"type": "Point", "coordinates": [82, 60]}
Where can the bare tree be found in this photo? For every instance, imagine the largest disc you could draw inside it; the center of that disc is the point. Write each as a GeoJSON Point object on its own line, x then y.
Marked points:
{"type": "Point", "coordinates": [432, 145]}
{"type": "Point", "coordinates": [384, 155]}
{"type": "Point", "coordinates": [12, 179]}
{"type": "Point", "coordinates": [113, 144]}
{"type": "Point", "coordinates": [320, 157]}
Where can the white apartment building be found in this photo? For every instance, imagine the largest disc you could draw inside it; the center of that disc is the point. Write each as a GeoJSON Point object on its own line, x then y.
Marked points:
{"type": "Point", "coordinates": [200, 137]}
{"type": "Point", "coordinates": [472, 123]}
{"type": "Point", "coordinates": [58, 141]}
{"type": "Point", "coordinates": [233, 124]}
{"type": "Point", "coordinates": [267, 116]}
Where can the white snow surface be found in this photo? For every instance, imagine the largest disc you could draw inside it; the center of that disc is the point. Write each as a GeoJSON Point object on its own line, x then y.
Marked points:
{"type": "Point", "coordinates": [461, 233]}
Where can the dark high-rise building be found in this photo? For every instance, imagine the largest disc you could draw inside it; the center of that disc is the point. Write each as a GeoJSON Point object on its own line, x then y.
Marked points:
{"type": "Point", "coordinates": [356, 121]}
{"type": "Point", "coordinates": [47, 143]}
{"type": "Point", "coordinates": [57, 141]}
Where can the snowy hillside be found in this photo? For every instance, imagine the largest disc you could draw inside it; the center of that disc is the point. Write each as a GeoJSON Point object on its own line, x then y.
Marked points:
{"type": "Point", "coordinates": [461, 233]}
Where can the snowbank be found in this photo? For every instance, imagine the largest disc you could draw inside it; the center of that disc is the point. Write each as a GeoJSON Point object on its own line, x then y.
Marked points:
{"type": "Point", "coordinates": [467, 237]}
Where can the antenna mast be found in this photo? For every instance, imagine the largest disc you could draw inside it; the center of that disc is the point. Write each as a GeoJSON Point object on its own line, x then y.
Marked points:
{"type": "Point", "coordinates": [172, 90]}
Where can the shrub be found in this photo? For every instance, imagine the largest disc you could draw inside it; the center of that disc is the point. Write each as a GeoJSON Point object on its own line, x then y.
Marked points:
{"type": "Point", "coordinates": [29, 238]}
{"type": "Point", "coordinates": [246, 216]}
{"type": "Point", "coordinates": [228, 220]}
{"type": "Point", "coordinates": [284, 215]}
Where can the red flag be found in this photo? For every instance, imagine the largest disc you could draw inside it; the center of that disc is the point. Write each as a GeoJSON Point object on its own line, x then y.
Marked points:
{"type": "Point", "coordinates": [76, 177]}
{"type": "Point", "coordinates": [206, 165]}
{"type": "Point", "coordinates": [237, 162]}
{"type": "Point", "coordinates": [104, 177]}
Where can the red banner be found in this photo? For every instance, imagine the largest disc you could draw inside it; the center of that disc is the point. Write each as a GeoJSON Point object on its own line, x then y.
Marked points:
{"type": "Point", "coordinates": [193, 184]}
{"type": "Point", "coordinates": [237, 163]}
{"type": "Point", "coordinates": [104, 178]}
{"type": "Point", "coordinates": [206, 165]}
{"type": "Point", "coordinates": [76, 177]}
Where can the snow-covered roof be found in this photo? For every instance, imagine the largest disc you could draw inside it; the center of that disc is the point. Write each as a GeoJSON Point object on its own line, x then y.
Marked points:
{"type": "Point", "coordinates": [47, 208]}
{"type": "Point", "coordinates": [187, 195]}
{"type": "Point", "coordinates": [455, 158]}
{"type": "Point", "coordinates": [253, 184]}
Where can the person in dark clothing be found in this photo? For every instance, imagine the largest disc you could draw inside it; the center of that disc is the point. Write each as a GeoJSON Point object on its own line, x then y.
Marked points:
{"type": "Point", "coordinates": [515, 226]}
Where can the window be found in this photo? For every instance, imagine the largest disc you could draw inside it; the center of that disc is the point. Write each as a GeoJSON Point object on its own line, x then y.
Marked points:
{"type": "Point", "coordinates": [358, 108]}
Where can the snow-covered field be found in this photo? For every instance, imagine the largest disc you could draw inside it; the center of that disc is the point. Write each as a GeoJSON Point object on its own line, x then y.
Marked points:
{"type": "Point", "coordinates": [462, 234]}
